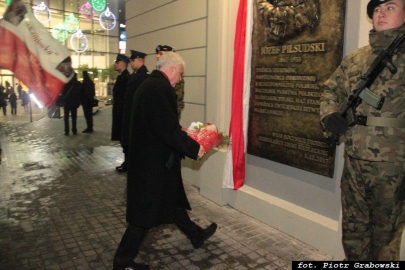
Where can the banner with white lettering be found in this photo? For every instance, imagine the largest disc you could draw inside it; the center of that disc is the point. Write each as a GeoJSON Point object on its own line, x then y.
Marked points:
{"type": "Point", "coordinates": [296, 46]}
{"type": "Point", "coordinates": [36, 58]}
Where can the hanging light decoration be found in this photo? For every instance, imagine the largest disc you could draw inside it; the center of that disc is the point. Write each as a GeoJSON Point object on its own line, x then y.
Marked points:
{"type": "Point", "coordinates": [79, 41]}
{"type": "Point", "coordinates": [71, 23]}
{"type": "Point", "coordinates": [99, 5]}
{"type": "Point", "coordinates": [59, 32]}
{"type": "Point", "coordinates": [87, 11]}
{"type": "Point", "coordinates": [107, 19]}
{"type": "Point", "coordinates": [42, 13]}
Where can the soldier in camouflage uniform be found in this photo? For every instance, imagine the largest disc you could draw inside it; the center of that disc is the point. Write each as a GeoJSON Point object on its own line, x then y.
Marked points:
{"type": "Point", "coordinates": [373, 215]}
{"type": "Point", "coordinates": [179, 88]}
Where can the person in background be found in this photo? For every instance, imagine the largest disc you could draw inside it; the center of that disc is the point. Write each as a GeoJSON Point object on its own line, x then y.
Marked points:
{"type": "Point", "coordinates": [3, 99]}
{"type": "Point", "coordinates": [25, 100]}
{"type": "Point", "coordinates": [87, 98]}
{"type": "Point", "coordinates": [13, 103]}
{"type": "Point", "coordinates": [155, 191]}
{"type": "Point", "coordinates": [373, 214]}
{"type": "Point", "coordinates": [140, 73]}
{"type": "Point", "coordinates": [71, 93]}
{"type": "Point", "coordinates": [9, 88]}
{"type": "Point", "coordinates": [19, 90]}
{"type": "Point", "coordinates": [179, 88]}
{"type": "Point", "coordinates": [119, 90]}
{"type": "Point", "coordinates": [2, 88]}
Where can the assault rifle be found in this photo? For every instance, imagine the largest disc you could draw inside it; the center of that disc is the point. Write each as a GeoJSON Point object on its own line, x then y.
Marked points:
{"type": "Point", "coordinates": [362, 91]}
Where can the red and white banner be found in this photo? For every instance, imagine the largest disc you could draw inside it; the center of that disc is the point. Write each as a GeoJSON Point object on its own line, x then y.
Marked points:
{"type": "Point", "coordinates": [234, 172]}
{"type": "Point", "coordinates": [32, 54]}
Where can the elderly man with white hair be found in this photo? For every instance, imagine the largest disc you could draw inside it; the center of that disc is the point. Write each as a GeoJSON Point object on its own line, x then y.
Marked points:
{"type": "Point", "coordinates": [155, 191]}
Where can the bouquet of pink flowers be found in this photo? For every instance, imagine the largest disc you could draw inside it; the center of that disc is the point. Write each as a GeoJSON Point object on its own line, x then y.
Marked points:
{"type": "Point", "coordinates": [207, 135]}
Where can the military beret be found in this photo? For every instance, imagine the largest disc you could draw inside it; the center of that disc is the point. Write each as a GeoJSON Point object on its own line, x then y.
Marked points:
{"type": "Point", "coordinates": [136, 54]}
{"type": "Point", "coordinates": [122, 57]}
{"type": "Point", "coordinates": [164, 48]}
{"type": "Point", "coordinates": [372, 5]}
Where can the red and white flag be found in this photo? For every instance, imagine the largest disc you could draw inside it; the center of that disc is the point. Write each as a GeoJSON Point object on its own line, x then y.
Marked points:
{"type": "Point", "coordinates": [32, 54]}
{"type": "Point", "coordinates": [234, 171]}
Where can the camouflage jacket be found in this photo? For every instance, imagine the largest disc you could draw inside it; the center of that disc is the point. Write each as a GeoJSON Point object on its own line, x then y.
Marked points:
{"type": "Point", "coordinates": [373, 143]}
{"type": "Point", "coordinates": [179, 88]}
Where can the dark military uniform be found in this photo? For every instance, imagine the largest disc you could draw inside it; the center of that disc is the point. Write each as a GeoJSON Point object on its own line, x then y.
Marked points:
{"type": "Point", "coordinates": [134, 81]}
{"type": "Point", "coordinates": [179, 89]}
{"type": "Point", "coordinates": [373, 215]}
{"type": "Point", "coordinates": [119, 91]}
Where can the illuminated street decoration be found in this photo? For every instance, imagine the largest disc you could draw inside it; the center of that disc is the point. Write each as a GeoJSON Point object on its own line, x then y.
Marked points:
{"type": "Point", "coordinates": [59, 32]}
{"type": "Point", "coordinates": [87, 11]}
{"type": "Point", "coordinates": [107, 19]}
{"type": "Point", "coordinates": [42, 13]}
{"type": "Point", "coordinates": [71, 23]}
{"type": "Point", "coordinates": [99, 5]}
{"type": "Point", "coordinates": [79, 41]}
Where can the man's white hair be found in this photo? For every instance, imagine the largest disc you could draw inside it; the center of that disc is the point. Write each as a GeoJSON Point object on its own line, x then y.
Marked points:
{"type": "Point", "coordinates": [169, 59]}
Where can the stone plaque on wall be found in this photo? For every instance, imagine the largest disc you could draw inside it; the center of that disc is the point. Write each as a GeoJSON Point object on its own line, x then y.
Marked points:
{"type": "Point", "coordinates": [296, 46]}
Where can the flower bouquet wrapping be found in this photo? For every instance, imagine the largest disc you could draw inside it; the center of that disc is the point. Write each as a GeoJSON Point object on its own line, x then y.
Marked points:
{"type": "Point", "coordinates": [207, 135]}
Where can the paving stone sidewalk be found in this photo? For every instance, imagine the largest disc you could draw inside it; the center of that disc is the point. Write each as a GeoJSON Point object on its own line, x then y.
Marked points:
{"type": "Point", "coordinates": [62, 206]}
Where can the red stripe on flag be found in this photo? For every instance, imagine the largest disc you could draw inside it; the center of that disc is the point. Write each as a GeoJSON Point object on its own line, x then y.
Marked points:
{"type": "Point", "coordinates": [15, 56]}
{"type": "Point", "coordinates": [236, 126]}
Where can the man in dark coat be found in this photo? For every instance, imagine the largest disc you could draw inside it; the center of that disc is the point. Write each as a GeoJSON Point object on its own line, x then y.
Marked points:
{"type": "Point", "coordinates": [155, 191]}
{"type": "Point", "coordinates": [71, 93]}
{"type": "Point", "coordinates": [87, 97]}
{"type": "Point", "coordinates": [3, 99]}
{"type": "Point", "coordinates": [137, 63]}
{"type": "Point", "coordinates": [120, 87]}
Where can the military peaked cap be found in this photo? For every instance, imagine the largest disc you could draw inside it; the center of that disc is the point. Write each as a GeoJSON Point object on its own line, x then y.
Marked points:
{"type": "Point", "coordinates": [136, 54]}
{"type": "Point", "coordinates": [372, 5]}
{"type": "Point", "coordinates": [164, 48]}
{"type": "Point", "coordinates": [122, 57]}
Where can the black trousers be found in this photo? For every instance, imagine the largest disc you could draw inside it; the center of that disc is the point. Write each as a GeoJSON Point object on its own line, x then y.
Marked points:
{"type": "Point", "coordinates": [133, 237]}
{"type": "Point", "coordinates": [73, 113]}
{"type": "Point", "coordinates": [88, 114]}
{"type": "Point", "coordinates": [125, 151]}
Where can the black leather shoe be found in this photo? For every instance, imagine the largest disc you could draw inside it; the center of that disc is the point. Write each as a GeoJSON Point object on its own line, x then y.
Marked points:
{"type": "Point", "coordinates": [198, 240]}
{"type": "Point", "coordinates": [66, 133]}
{"type": "Point", "coordinates": [122, 169]}
{"type": "Point", "coordinates": [133, 266]}
{"type": "Point", "coordinates": [87, 130]}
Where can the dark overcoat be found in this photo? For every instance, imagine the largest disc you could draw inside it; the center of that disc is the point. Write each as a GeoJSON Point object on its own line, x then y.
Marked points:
{"type": "Point", "coordinates": [119, 89]}
{"type": "Point", "coordinates": [71, 93]}
{"type": "Point", "coordinates": [88, 93]}
{"type": "Point", "coordinates": [133, 83]}
{"type": "Point", "coordinates": [157, 144]}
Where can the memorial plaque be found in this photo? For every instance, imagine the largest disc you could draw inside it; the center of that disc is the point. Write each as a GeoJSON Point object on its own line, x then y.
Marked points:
{"type": "Point", "coordinates": [296, 46]}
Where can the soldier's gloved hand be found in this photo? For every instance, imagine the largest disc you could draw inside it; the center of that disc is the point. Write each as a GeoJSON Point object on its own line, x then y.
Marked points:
{"type": "Point", "coordinates": [336, 123]}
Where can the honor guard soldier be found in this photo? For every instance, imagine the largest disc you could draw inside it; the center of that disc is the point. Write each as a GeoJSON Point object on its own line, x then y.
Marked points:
{"type": "Point", "coordinates": [373, 213]}
{"type": "Point", "coordinates": [140, 73]}
{"type": "Point", "coordinates": [118, 92]}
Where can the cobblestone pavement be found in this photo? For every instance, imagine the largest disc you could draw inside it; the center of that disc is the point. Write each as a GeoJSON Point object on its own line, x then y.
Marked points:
{"type": "Point", "coordinates": [62, 207]}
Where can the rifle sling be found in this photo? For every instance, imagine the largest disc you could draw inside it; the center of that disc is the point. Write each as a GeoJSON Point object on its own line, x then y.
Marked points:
{"type": "Point", "coordinates": [380, 121]}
